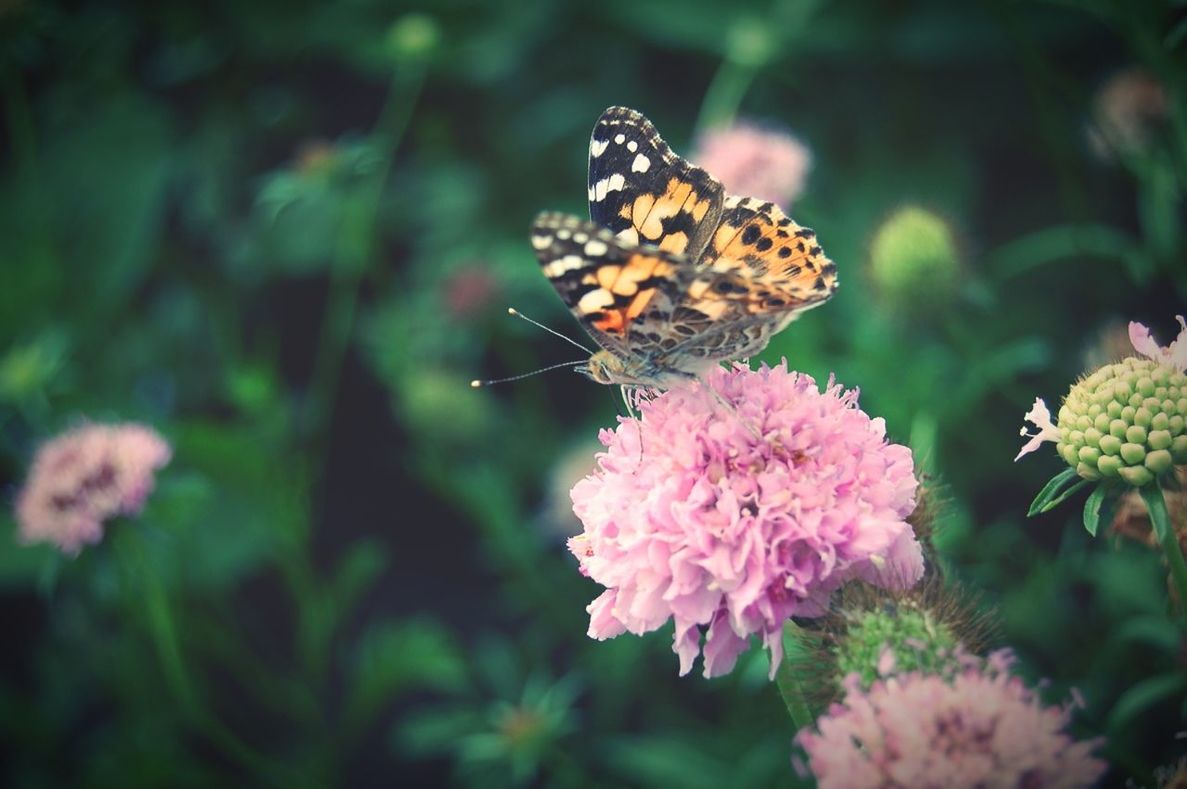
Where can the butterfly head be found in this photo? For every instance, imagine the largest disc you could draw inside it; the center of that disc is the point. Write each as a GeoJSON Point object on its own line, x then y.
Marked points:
{"type": "Point", "coordinates": [604, 368]}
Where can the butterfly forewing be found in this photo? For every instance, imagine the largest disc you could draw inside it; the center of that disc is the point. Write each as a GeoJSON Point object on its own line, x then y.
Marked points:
{"type": "Point", "coordinates": [619, 292]}
{"type": "Point", "coordinates": [646, 194]}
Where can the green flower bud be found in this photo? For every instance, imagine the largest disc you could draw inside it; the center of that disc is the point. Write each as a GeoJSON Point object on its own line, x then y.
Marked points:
{"type": "Point", "coordinates": [1136, 475]}
{"type": "Point", "coordinates": [914, 261]}
{"type": "Point", "coordinates": [413, 37]}
{"type": "Point", "coordinates": [914, 638]}
{"type": "Point", "coordinates": [1114, 424]}
{"type": "Point", "coordinates": [1109, 465]}
{"type": "Point", "coordinates": [749, 42]}
{"type": "Point", "coordinates": [1159, 461]}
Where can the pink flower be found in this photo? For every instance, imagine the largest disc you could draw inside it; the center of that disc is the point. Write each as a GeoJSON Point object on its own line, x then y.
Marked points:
{"type": "Point", "coordinates": [1128, 110]}
{"type": "Point", "coordinates": [1173, 355]}
{"type": "Point", "coordinates": [734, 518]}
{"type": "Point", "coordinates": [84, 477]}
{"type": "Point", "coordinates": [1040, 417]}
{"type": "Point", "coordinates": [469, 291]}
{"type": "Point", "coordinates": [754, 162]}
{"type": "Point", "coordinates": [981, 727]}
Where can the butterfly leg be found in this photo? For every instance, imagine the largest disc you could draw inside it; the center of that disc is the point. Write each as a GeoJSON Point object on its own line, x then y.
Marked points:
{"type": "Point", "coordinates": [733, 410]}
{"type": "Point", "coordinates": [626, 400]}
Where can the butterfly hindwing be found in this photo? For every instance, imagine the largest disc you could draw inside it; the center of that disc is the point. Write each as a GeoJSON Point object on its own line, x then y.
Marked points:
{"type": "Point", "coordinates": [784, 266]}
{"type": "Point", "coordinates": [646, 194]}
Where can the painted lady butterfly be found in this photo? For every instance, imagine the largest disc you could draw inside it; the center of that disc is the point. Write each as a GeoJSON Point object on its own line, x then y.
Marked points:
{"type": "Point", "coordinates": [673, 275]}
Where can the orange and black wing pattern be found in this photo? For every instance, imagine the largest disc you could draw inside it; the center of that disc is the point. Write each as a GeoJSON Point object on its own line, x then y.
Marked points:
{"type": "Point", "coordinates": [786, 269]}
{"type": "Point", "coordinates": [643, 192]}
{"type": "Point", "coordinates": [619, 292]}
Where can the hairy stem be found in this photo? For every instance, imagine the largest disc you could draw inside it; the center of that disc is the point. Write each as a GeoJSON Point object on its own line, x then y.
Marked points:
{"type": "Point", "coordinates": [1161, 521]}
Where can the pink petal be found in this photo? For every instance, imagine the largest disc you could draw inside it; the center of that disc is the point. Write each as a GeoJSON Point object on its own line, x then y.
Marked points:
{"type": "Point", "coordinates": [1142, 342]}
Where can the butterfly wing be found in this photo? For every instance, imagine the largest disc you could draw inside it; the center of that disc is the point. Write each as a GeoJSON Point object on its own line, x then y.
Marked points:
{"type": "Point", "coordinates": [758, 273]}
{"type": "Point", "coordinates": [624, 295]}
{"type": "Point", "coordinates": [646, 194]}
{"type": "Point", "coordinates": [786, 271]}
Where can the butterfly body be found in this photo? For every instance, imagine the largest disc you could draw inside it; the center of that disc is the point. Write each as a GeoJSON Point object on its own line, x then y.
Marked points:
{"type": "Point", "coordinates": [672, 275]}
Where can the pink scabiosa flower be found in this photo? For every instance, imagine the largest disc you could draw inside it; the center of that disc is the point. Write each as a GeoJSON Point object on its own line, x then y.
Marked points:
{"type": "Point", "coordinates": [756, 162]}
{"type": "Point", "coordinates": [980, 727]}
{"type": "Point", "coordinates": [84, 477]}
{"type": "Point", "coordinates": [735, 517]}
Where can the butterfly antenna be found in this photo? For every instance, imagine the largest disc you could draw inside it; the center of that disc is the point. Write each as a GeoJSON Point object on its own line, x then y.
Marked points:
{"type": "Point", "coordinates": [516, 313]}
{"type": "Point", "coordinates": [477, 383]}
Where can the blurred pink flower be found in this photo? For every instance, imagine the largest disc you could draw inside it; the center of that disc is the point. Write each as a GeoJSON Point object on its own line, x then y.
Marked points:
{"type": "Point", "coordinates": [1173, 355]}
{"type": "Point", "coordinates": [1127, 112]}
{"type": "Point", "coordinates": [735, 518]}
{"type": "Point", "coordinates": [755, 162]}
{"type": "Point", "coordinates": [468, 291]}
{"type": "Point", "coordinates": [85, 476]}
{"type": "Point", "coordinates": [981, 727]}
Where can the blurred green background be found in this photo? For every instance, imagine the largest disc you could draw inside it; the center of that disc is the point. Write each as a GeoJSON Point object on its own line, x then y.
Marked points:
{"type": "Point", "coordinates": [285, 235]}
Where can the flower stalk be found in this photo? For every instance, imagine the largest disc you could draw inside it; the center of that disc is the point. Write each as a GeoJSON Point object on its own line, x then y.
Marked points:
{"type": "Point", "coordinates": [789, 686]}
{"type": "Point", "coordinates": [1168, 539]}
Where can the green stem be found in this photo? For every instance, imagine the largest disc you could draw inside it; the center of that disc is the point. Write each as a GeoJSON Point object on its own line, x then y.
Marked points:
{"type": "Point", "coordinates": [163, 632]}
{"type": "Point", "coordinates": [355, 249]}
{"type": "Point", "coordinates": [724, 95]}
{"type": "Point", "coordinates": [1160, 519]}
{"type": "Point", "coordinates": [785, 679]}
{"type": "Point", "coordinates": [751, 44]}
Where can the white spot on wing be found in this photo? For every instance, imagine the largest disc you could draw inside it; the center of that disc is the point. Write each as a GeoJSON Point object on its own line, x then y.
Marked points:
{"type": "Point", "coordinates": [563, 233]}
{"type": "Point", "coordinates": [615, 183]}
{"type": "Point", "coordinates": [620, 138]}
{"type": "Point", "coordinates": [580, 238]}
{"type": "Point", "coordinates": [595, 300]}
{"type": "Point", "coordinates": [562, 265]}
{"type": "Point", "coordinates": [632, 146]}
{"type": "Point", "coordinates": [596, 147]}
{"type": "Point", "coordinates": [630, 236]}
{"type": "Point", "coordinates": [595, 249]}
{"type": "Point", "coordinates": [641, 164]}
{"type": "Point", "coordinates": [541, 242]}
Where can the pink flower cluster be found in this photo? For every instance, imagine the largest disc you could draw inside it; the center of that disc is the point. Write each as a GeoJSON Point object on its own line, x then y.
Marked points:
{"type": "Point", "coordinates": [84, 477]}
{"type": "Point", "coordinates": [982, 727]}
{"type": "Point", "coordinates": [755, 162]}
{"type": "Point", "coordinates": [735, 503]}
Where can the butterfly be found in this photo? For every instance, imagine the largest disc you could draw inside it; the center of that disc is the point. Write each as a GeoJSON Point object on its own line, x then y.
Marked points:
{"type": "Point", "coordinates": [672, 275]}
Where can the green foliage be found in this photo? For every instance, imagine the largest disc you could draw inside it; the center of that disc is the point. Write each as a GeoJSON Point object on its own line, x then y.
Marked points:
{"type": "Point", "coordinates": [286, 237]}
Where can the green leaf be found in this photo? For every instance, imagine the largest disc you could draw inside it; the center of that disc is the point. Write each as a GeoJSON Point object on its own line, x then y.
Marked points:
{"type": "Point", "coordinates": [357, 571]}
{"type": "Point", "coordinates": [394, 656]}
{"type": "Point", "coordinates": [1101, 506]}
{"type": "Point", "coordinates": [1050, 495]}
{"type": "Point", "coordinates": [1144, 695]}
